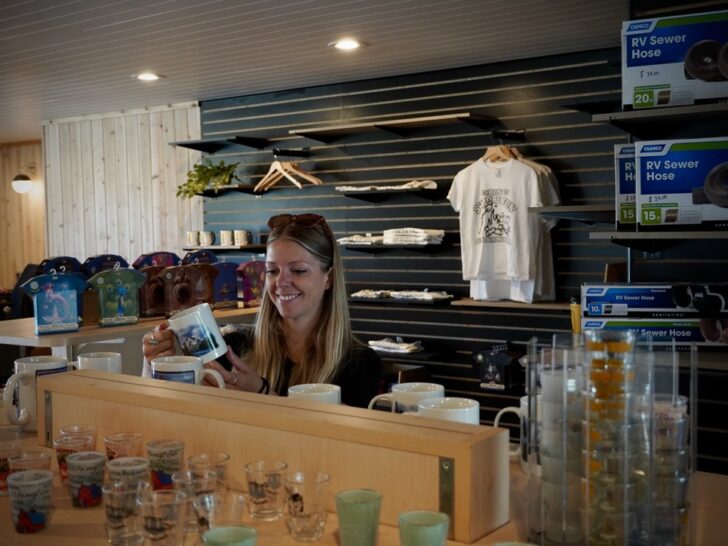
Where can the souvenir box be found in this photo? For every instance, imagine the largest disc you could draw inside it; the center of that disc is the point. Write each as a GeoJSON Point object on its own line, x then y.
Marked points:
{"type": "Point", "coordinates": [151, 293]}
{"type": "Point", "coordinates": [55, 301]}
{"type": "Point", "coordinates": [199, 257]}
{"type": "Point", "coordinates": [188, 285]}
{"type": "Point", "coordinates": [162, 258]}
{"type": "Point", "coordinates": [59, 264]}
{"type": "Point", "coordinates": [102, 262]}
{"type": "Point", "coordinates": [251, 277]}
{"type": "Point", "coordinates": [118, 292]}
{"type": "Point", "coordinates": [226, 285]}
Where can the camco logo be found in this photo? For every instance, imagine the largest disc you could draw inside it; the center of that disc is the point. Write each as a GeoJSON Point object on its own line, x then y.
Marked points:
{"type": "Point", "coordinates": [594, 290]}
{"type": "Point", "coordinates": [653, 148]}
{"type": "Point", "coordinates": [593, 324]}
{"type": "Point", "coordinates": [638, 26]}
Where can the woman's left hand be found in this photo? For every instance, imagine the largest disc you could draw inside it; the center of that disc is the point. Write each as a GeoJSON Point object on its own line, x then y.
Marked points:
{"type": "Point", "coordinates": [241, 377]}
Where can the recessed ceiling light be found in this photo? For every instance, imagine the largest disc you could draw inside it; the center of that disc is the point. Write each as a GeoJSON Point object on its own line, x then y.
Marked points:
{"type": "Point", "coordinates": [347, 44]}
{"type": "Point", "coordinates": [147, 76]}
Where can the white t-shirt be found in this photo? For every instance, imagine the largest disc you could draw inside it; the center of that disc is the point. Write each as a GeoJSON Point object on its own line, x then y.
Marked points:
{"type": "Point", "coordinates": [499, 238]}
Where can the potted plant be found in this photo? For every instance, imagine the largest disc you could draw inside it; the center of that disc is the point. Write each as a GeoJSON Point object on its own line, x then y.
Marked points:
{"type": "Point", "coordinates": [207, 175]}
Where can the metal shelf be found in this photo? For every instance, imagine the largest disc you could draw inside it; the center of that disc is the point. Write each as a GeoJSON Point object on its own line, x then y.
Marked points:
{"type": "Point", "coordinates": [654, 241]}
{"type": "Point", "coordinates": [541, 306]}
{"type": "Point", "coordinates": [376, 196]}
{"type": "Point", "coordinates": [218, 248]}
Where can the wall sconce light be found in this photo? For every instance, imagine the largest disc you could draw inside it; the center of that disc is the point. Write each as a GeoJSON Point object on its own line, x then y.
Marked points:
{"type": "Point", "coordinates": [22, 183]}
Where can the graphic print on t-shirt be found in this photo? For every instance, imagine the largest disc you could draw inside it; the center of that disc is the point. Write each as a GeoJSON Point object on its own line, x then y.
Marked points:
{"type": "Point", "coordinates": [494, 211]}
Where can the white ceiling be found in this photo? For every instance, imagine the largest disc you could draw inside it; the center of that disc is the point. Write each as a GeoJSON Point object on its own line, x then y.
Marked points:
{"type": "Point", "coordinates": [65, 58]}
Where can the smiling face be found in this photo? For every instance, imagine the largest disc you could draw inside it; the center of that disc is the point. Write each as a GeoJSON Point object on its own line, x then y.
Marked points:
{"type": "Point", "coordinates": [295, 281]}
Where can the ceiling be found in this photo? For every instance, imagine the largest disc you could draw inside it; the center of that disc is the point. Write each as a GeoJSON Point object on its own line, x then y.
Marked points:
{"type": "Point", "coordinates": [66, 58]}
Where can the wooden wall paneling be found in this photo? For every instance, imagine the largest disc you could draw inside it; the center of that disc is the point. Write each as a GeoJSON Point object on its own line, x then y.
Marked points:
{"type": "Point", "coordinates": [528, 94]}
{"type": "Point", "coordinates": [22, 216]}
{"type": "Point", "coordinates": [116, 176]}
{"type": "Point", "coordinates": [102, 232]}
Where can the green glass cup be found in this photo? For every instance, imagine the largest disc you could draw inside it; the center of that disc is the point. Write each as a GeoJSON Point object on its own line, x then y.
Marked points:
{"type": "Point", "coordinates": [358, 513]}
{"type": "Point", "coordinates": [235, 535]}
{"type": "Point", "coordinates": [422, 528]}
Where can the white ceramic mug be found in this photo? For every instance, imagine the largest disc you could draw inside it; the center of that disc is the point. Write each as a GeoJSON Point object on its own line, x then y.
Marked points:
{"type": "Point", "coordinates": [226, 237]}
{"type": "Point", "coordinates": [521, 451]}
{"type": "Point", "coordinates": [325, 393]}
{"type": "Point", "coordinates": [197, 333]}
{"type": "Point", "coordinates": [193, 238]}
{"type": "Point", "coordinates": [241, 237]}
{"type": "Point", "coordinates": [104, 362]}
{"type": "Point", "coordinates": [183, 369]}
{"type": "Point", "coordinates": [20, 388]}
{"type": "Point", "coordinates": [406, 396]}
{"type": "Point", "coordinates": [207, 238]}
{"type": "Point", "coordinates": [463, 410]}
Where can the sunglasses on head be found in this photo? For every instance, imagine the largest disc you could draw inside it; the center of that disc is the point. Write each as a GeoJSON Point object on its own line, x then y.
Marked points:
{"type": "Point", "coordinates": [301, 220]}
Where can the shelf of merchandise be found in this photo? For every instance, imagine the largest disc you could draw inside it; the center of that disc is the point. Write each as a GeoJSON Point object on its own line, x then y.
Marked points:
{"type": "Point", "coordinates": [587, 214]}
{"type": "Point", "coordinates": [540, 306]}
{"type": "Point", "coordinates": [220, 248]}
{"type": "Point", "coordinates": [401, 127]}
{"type": "Point", "coordinates": [376, 196]}
{"type": "Point", "coordinates": [222, 190]}
{"type": "Point", "coordinates": [654, 123]}
{"type": "Point", "coordinates": [654, 241]}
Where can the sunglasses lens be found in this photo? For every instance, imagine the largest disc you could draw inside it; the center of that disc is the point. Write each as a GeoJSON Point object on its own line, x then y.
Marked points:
{"type": "Point", "coordinates": [302, 220]}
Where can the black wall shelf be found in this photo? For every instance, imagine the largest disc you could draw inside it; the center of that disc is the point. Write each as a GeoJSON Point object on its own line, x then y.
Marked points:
{"type": "Point", "coordinates": [401, 127]}
{"type": "Point", "coordinates": [377, 196]}
{"type": "Point", "coordinates": [657, 122]}
{"type": "Point", "coordinates": [655, 241]}
{"type": "Point", "coordinates": [540, 306]}
{"type": "Point", "coordinates": [587, 214]}
{"type": "Point", "coordinates": [381, 248]}
{"type": "Point", "coordinates": [400, 301]}
{"type": "Point", "coordinates": [211, 146]}
{"type": "Point", "coordinates": [220, 248]}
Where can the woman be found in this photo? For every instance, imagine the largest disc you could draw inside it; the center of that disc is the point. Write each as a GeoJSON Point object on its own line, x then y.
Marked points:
{"type": "Point", "coordinates": [302, 332]}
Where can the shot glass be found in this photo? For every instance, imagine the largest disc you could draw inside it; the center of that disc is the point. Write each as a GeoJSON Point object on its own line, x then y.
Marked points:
{"type": "Point", "coordinates": [165, 458]}
{"type": "Point", "coordinates": [128, 469]}
{"type": "Point", "coordinates": [80, 430]}
{"type": "Point", "coordinates": [7, 450]}
{"type": "Point", "coordinates": [123, 444]}
{"type": "Point", "coordinates": [30, 499]}
{"type": "Point", "coordinates": [30, 460]}
{"type": "Point", "coordinates": [85, 477]}
{"type": "Point", "coordinates": [65, 445]}
{"type": "Point", "coordinates": [265, 486]}
{"type": "Point", "coordinates": [163, 517]}
{"type": "Point", "coordinates": [217, 461]}
{"type": "Point", "coordinates": [218, 510]}
{"type": "Point", "coordinates": [123, 525]}
{"type": "Point", "coordinates": [358, 514]}
{"type": "Point", "coordinates": [306, 495]}
{"type": "Point", "coordinates": [423, 528]}
{"type": "Point", "coordinates": [235, 535]}
{"type": "Point", "coordinates": [193, 483]}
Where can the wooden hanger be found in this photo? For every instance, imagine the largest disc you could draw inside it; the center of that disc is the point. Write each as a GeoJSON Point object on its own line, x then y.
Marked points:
{"type": "Point", "coordinates": [498, 153]}
{"type": "Point", "coordinates": [294, 169]}
{"type": "Point", "coordinates": [285, 169]}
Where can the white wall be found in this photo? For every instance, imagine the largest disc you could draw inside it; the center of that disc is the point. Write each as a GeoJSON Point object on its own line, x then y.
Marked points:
{"type": "Point", "coordinates": [111, 181]}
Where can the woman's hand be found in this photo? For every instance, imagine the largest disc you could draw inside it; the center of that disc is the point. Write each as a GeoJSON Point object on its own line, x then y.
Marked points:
{"type": "Point", "coordinates": [241, 377]}
{"type": "Point", "coordinates": [158, 342]}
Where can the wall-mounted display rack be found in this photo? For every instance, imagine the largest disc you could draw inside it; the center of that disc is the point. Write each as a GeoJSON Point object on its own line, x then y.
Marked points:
{"type": "Point", "coordinates": [655, 123]}
{"type": "Point", "coordinates": [219, 248]}
{"type": "Point", "coordinates": [400, 127]}
{"type": "Point", "coordinates": [380, 248]}
{"type": "Point", "coordinates": [541, 306]}
{"type": "Point", "coordinates": [211, 146]}
{"type": "Point", "coordinates": [377, 196]}
{"type": "Point", "coordinates": [400, 301]}
{"type": "Point", "coordinates": [654, 241]}
{"type": "Point", "coordinates": [587, 214]}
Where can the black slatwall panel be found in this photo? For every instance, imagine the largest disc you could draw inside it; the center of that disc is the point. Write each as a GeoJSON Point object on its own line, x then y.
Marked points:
{"type": "Point", "coordinates": [527, 94]}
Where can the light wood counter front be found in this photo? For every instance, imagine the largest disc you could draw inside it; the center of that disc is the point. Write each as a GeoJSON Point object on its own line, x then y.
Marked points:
{"type": "Point", "coordinates": [416, 463]}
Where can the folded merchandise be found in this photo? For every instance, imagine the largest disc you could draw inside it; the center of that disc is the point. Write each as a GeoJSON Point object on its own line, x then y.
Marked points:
{"type": "Point", "coordinates": [367, 239]}
{"type": "Point", "coordinates": [414, 184]}
{"type": "Point", "coordinates": [371, 294]}
{"type": "Point", "coordinates": [410, 236]}
{"type": "Point", "coordinates": [419, 295]}
{"type": "Point", "coordinates": [397, 345]}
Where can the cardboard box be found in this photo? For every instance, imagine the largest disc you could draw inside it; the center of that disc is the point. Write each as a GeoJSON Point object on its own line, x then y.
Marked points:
{"type": "Point", "coordinates": [670, 61]}
{"type": "Point", "coordinates": [682, 183]}
{"type": "Point", "coordinates": [625, 181]}
{"type": "Point", "coordinates": [673, 301]}
{"type": "Point", "coordinates": [662, 332]}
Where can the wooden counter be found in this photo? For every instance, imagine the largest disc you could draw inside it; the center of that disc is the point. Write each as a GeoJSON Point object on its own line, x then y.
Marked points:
{"type": "Point", "coordinates": [70, 526]}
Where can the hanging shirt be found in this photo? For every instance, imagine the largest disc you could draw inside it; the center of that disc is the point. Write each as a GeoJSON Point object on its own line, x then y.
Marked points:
{"type": "Point", "coordinates": [499, 238]}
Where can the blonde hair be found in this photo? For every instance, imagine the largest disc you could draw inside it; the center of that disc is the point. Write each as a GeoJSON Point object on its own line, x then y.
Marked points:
{"type": "Point", "coordinates": [331, 341]}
